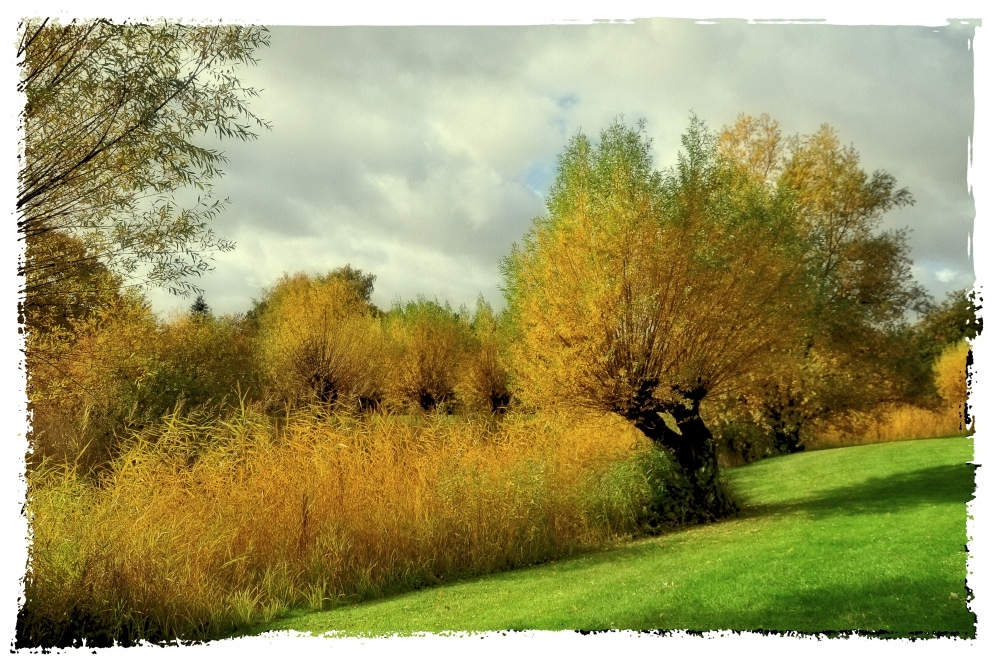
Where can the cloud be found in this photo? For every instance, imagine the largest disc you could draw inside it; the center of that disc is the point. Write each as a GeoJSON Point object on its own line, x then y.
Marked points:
{"type": "Point", "coordinates": [422, 153]}
{"type": "Point", "coordinates": [946, 276]}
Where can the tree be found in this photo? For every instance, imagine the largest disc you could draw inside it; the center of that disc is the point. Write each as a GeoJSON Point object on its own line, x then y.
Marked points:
{"type": "Point", "coordinates": [433, 343]}
{"type": "Point", "coordinates": [647, 294]}
{"type": "Point", "coordinates": [856, 351]}
{"type": "Point", "coordinates": [486, 381]}
{"type": "Point", "coordinates": [200, 309]}
{"type": "Point", "coordinates": [320, 341]}
{"type": "Point", "coordinates": [109, 121]}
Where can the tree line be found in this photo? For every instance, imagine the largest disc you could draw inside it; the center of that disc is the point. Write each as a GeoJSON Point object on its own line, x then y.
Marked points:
{"type": "Point", "coordinates": [748, 290]}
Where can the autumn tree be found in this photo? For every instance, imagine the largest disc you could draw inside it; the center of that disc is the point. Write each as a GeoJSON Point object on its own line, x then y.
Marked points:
{"type": "Point", "coordinates": [485, 381]}
{"type": "Point", "coordinates": [319, 341]}
{"type": "Point", "coordinates": [111, 169]}
{"type": "Point", "coordinates": [856, 350]}
{"type": "Point", "coordinates": [649, 293]}
{"type": "Point", "coordinates": [432, 345]}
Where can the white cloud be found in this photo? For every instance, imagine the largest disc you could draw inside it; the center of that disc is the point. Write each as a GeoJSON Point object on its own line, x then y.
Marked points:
{"type": "Point", "coordinates": [946, 276]}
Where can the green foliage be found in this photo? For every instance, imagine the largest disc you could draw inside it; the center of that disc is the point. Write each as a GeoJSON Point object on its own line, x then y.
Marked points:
{"type": "Point", "coordinates": [944, 324]}
{"type": "Point", "coordinates": [645, 493]}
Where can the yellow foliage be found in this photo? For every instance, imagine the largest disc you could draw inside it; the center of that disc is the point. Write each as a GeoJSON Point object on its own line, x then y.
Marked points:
{"type": "Point", "coordinates": [639, 289]}
{"type": "Point", "coordinates": [80, 383]}
{"type": "Point", "coordinates": [432, 344]}
{"type": "Point", "coordinates": [319, 340]}
{"type": "Point", "coordinates": [485, 380]}
{"type": "Point", "coordinates": [951, 379]}
{"type": "Point", "coordinates": [200, 527]}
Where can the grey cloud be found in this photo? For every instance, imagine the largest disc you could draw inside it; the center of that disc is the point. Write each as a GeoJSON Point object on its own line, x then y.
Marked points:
{"type": "Point", "coordinates": [422, 153]}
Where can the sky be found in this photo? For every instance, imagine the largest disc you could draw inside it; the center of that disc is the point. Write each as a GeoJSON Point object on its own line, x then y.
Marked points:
{"type": "Point", "coordinates": [421, 154]}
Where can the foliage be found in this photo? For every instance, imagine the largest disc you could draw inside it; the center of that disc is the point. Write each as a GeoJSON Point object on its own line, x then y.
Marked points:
{"type": "Point", "coordinates": [432, 346]}
{"type": "Point", "coordinates": [954, 319]}
{"type": "Point", "coordinates": [111, 115]}
{"type": "Point", "coordinates": [209, 524]}
{"type": "Point", "coordinates": [643, 293]}
{"type": "Point", "coordinates": [318, 340]}
{"type": "Point", "coordinates": [947, 417]}
{"type": "Point", "coordinates": [121, 369]}
{"type": "Point", "coordinates": [951, 377]}
{"type": "Point", "coordinates": [856, 351]}
{"type": "Point", "coordinates": [486, 381]}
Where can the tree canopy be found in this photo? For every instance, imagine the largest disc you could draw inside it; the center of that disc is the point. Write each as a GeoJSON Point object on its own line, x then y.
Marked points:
{"type": "Point", "coordinates": [857, 350]}
{"type": "Point", "coordinates": [644, 292]}
{"type": "Point", "coordinates": [111, 171]}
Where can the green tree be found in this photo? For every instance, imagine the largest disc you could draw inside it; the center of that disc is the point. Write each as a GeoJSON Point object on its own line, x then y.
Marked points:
{"type": "Point", "coordinates": [648, 293]}
{"type": "Point", "coordinates": [111, 116]}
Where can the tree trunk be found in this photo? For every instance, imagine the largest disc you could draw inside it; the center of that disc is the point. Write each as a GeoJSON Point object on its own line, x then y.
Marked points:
{"type": "Point", "coordinates": [694, 449]}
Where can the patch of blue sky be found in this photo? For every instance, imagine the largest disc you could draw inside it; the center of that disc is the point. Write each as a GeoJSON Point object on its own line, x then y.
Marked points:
{"type": "Point", "coordinates": [540, 175]}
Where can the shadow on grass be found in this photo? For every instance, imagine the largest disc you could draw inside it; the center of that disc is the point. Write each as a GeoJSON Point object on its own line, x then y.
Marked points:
{"type": "Point", "coordinates": [884, 608]}
{"type": "Point", "coordinates": [928, 486]}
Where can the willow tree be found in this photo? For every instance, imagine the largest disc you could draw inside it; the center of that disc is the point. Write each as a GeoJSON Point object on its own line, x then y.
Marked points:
{"type": "Point", "coordinates": [647, 293]}
{"type": "Point", "coordinates": [856, 350]}
{"type": "Point", "coordinates": [115, 167]}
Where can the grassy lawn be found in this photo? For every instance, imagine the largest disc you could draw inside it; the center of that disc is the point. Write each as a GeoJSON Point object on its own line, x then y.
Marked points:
{"type": "Point", "coordinates": [863, 538]}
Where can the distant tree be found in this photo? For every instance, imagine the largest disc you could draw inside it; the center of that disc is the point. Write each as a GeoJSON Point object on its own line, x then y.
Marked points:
{"type": "Point", "coordinates": [199, 308]}
{"type": "Point", "coordinates": [433, 343]}
{"type": "Point", "coordinates": [954, 319]}
{"type": "Point", "coordinates": [486, 380]}
{"type": "Point", "coordinates": [647, 294]}
{"type": "Point", "coordinates": [319, 340]}
{"type": "Point", "coordinates": [111, 115]}
{"type": "Point", "coordinates": [856, 350]}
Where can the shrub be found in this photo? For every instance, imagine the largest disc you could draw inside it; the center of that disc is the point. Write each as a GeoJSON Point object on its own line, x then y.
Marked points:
{"type": "Point", "coordinates": [432, 344]}
{"type": "Point", "coordinates": [485, 381]}
{"type": "Point", "coordinates": [121, 368]}
{"type": "Point", "coordinates": [951, 377]}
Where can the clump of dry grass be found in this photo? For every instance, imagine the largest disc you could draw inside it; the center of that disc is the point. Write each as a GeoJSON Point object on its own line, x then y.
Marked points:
{"type": "Point", "coordinates": [906, 422]}
{"type": "Point", "coordinates": [203, 526]}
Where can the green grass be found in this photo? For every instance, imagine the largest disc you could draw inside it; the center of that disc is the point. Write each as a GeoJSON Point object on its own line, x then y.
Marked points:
{"type": "Point", "coordinates": [865, 538]}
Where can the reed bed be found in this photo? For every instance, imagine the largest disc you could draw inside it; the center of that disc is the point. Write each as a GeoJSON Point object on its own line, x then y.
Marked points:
{"type": "Point", "coordinates": [891, 423]}
{"type": "Point", "coordinates": [202, 527]}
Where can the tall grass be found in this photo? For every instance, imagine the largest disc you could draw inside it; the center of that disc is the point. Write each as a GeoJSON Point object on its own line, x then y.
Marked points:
{"type": "Point", "coordinates": [204, 526]}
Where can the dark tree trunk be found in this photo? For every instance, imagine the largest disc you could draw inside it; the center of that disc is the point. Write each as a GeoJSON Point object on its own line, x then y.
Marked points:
{"type": "Point", "coordinates": [694, 449]}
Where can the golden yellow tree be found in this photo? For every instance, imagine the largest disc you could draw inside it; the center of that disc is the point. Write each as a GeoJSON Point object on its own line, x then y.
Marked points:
{"type": "Point", "coordinates": [646, 293]}
{"type": "Point", "coordinates": [319, 340]}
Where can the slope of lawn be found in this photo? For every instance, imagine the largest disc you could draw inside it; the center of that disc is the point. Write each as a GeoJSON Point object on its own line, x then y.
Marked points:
{"type": "Point", "coordinates": [864, 538]}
